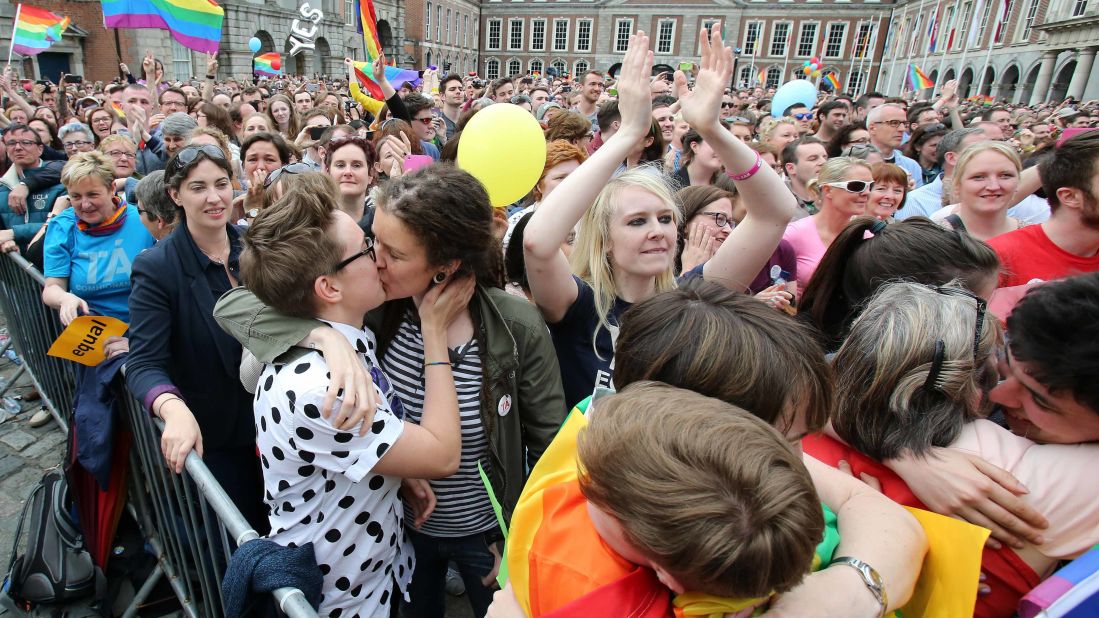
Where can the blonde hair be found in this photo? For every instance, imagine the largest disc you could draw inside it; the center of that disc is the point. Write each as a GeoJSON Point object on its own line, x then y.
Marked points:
{"type": "Point", "coordinates": [745, 520]}
{"type": "Point", "coordinates": [92, 164]}
{"type": "Point", "coordinates": [834, 170]}
{"type": "Point", "coordinates": [110, 140]}
{"type": "Point", "coordinates": [971, 151]}
{"type": "Point", "coordinates": [888, 400]}
{"type": "Point", "coordinates": [590, 258]}
{"type": "Point", "coordinates": [768, 125]}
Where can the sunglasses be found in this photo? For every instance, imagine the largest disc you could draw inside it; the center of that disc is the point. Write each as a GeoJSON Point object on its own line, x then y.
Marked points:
{"type": "Point", "coordinates": [427, 120]}
{"type": "Point", "coordinates": [190, 154]}
{"type": "Point", "coordinates": [726, 105]}
{"type": "Point", "coordinates": [369, 251]}
{"type": "Point", "coordinates": [852, 186]}
{"type": "Point", "coordinates": [805, 116]}
{"type": "Point", "coordinates": [293, 168]}
{"type": "Point", "coordinates": [932, 380]}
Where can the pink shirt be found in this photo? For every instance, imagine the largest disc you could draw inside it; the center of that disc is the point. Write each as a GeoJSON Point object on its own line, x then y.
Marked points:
{"type": "Point", "coordinates": [809, 248]}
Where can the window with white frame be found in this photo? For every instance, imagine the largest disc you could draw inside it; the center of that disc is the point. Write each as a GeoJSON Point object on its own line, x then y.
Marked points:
{"type": "Point", "coordinates": [515, 34]}
{"type": "Point", "coordinates": [836, 33]}
{"type": "Point", "coordinates": [465, 30]}
{"type": "Point", "coordinates": [560, 35]}
{"type": "Point", "coordinates": [943, 37]}
{"type": "Point", "coordinates": [745, 77]}
{"type": "Point", "coordinates": [665, 36]}
{"type": "Point", "coordinates": [780, 37]}
{"type": "Point", "coordinates": [984, 23]}
{"type": "Point", "coordinates": [1079, 8]}
{"type": "Point", "coordinates": [774, 77]}
{"type": "Point", "coordinates": [560, 67]}
{"type": "Point", "coordinates": [1028, 21]}
{"type": "Point", "coordinates": [457, 30]}
{"type": "Point", "coordinates": [705, 31]}
{"type": "Point", "coordinates": [349, 12]}
{"type": "Point", "coordinates": [962, 30]}
{"type": "Point", "coordinates": [538, 35]}
{"type": "Point", "coordinates": [583, 35]}
{"type": "Point", "coordinates": [579, 69]}
{"type": "Point", "coordinates": [439, 24]}
{"type": "Point", "coordinates": [862, 39]}
{"type": "Point", "coordinates": [515, 67]}
{"type": "Point", "coordinates": [492, 69]}
{"type": "Point", "coordinates": [448, 26]}
{"type": "Point", "coordinates": [914, 44]}
{"type": "Point", "coordinates": [807, 38]}
{"type": "Point", "coordinates": [536, 66]}
{"type": "Point", "coordinates": [623, 28]}
{"type": "Point", "coordinates": [752, 32]}
{"type": "Point", "coordinates": [1001, 30]}
{"type": "Point", "coordinates": [855, 81]}
{"type": "Point", "coordinates": [495, 26]}
{"type": "Point", "coordinates": [181, 61]}
{"type": "Point", "coordinates": [427, 22]}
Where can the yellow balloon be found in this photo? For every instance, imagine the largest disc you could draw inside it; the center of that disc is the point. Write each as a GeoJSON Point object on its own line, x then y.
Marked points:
{"type": "Point", "coordinates": [503, 146]}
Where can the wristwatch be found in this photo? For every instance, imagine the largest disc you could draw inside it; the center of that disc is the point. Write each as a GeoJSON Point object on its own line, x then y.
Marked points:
{"type": "Point", "coordinates": [870, 577]}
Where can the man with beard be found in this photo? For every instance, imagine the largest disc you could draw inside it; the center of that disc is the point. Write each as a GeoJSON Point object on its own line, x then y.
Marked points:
{"type": "Point", "coordinates": [1068, 243]}
{"type": "Point", "coordinates": [590, 89]}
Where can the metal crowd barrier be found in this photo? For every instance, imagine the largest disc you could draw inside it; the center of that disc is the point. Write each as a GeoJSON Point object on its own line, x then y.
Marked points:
{"type": "Point", "coordinates": [187, 520]}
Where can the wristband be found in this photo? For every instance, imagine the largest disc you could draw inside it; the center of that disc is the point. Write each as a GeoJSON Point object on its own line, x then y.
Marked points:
{"type": "Point", "coordinates": [208, 76]}
{"type": "Point", "coordinates": [447, 363]}
{"type": "Point", "coordinates": [751, 172]}
{"type": "Point", "coordinates": [160, 409]}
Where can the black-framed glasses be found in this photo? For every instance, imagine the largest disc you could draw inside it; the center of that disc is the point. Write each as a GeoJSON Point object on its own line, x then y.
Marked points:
{"type": "Point", "coordinates": [852, 186]}
{"type": "Point", "coordinates": [293, 168]}
{"type": "Point", "coordinates": [940, 347]}
{"type": "Point", "coordinates": [189, 154]}
{"type": "Point", "coordinates": [80, 143]}
{"type": "Point", "coordinates": [804, 116]}
{"type": "Point", "coordinates": [25, 143]}
{"type": "Point", "coordinates": [895, 124]}
{"type": "Point", "coordinates": [368, 251]}
{"type": "Point", "coordinates": [720, 219]}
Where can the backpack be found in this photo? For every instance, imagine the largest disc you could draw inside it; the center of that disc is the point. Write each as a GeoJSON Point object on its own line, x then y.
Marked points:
{"type": "Point", "coordinates": [56, 567]}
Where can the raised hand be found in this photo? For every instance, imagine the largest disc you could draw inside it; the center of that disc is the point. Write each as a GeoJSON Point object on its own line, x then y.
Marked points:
{"type": "Point", "coordinates": [702, 105]}
{"type": "Point", "coordinates": [634, 99]}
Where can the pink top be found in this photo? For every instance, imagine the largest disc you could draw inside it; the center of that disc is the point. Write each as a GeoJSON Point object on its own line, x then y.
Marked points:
{"type": "Point", "coordinates": [809, 248]}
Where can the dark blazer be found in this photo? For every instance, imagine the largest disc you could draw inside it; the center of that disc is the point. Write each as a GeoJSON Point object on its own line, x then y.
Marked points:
{"type": "Point", "coordinates": [176, 346]}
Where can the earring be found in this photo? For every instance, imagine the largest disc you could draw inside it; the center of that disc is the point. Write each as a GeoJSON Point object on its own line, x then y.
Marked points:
{"type": "Point", "coordinates": [439, 278]}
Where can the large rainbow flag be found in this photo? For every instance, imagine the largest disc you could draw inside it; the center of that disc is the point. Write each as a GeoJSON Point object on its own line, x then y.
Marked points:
{"type": "Point", "coordinates": [395, 76]}
{"type": "Point", "coordinates": [268, 65]}
{"type": "Point", "coordinates": [368, 27]}
{"type": "Point", "coordinates": [917, 79]}
{"type": "Point", "coordinates": [36, 29]}
{"type": "Point", "coordinates": [195, 24]}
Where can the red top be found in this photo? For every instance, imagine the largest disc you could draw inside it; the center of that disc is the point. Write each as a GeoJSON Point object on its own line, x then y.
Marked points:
{"type": "Point", "coordinates": [1029, 254]}
{"type": "Point", "coordinates": [1007, 575]}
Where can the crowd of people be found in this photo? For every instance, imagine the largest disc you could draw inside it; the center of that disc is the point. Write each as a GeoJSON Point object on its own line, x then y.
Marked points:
{"type": "Point", "coordinates": [712, 354]}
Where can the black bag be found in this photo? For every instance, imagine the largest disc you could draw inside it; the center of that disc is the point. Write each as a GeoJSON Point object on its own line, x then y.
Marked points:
{"type": "Point", "coordinates": [56, 567]}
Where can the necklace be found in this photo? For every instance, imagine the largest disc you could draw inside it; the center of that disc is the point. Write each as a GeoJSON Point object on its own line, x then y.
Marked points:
{"type": "Point", "coordinates": [214, 259]}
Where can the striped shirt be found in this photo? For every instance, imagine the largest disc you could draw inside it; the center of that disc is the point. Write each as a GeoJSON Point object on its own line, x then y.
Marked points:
{"type": "Point", "coordinates": [462, 505]}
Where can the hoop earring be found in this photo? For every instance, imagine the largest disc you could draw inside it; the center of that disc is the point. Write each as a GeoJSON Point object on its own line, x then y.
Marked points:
{"type": "Point", "coordinates": [439, 278]}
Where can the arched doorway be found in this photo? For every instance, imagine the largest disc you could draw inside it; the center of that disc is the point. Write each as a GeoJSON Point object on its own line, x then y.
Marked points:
{"type": "Point", "coordinates": [1059, 88]}
{"type": "Point", "coordinates": [1027, 89]}
{"type": "Point", "coordinates": [934, 76]}
{"type": "Point", "coordinates": [949, 75]}
{"type": "Point", "coordinates": [294, 65]}
{"type": "Point", "coordinates": [985, 85]}
{"type": "Point", "coordinates": [1009, 83]}
{"type": "Point", "coordinates": [322, 56]}
{"type": "Point", "coordinates": [385, 37]}
{"type": "Point", "coordinates": [964, 83]}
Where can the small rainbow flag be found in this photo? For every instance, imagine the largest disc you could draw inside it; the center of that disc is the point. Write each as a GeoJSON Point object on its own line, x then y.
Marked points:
{"type": "Point", "coordinates": [268, 65]}
{"type": "Point", "coordinates": [917, 79]}
{"type": "Point", "coordinates": [762, 77]}
{"type": "Point", "coordinates": [195, 24]}
{"type": "Point", "coordinates": [36, 29]}
{"type": "Point", "coordinates": [395, 76]}
{"type": "Point", "coordinates": [832, 79]}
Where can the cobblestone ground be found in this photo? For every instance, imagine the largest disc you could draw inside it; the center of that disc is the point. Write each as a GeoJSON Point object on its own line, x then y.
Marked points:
{"type": "Point", "coordinates": [25, 453]}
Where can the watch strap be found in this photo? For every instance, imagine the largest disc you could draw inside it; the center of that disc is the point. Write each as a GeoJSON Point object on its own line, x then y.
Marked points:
{"type": "Point", "coordinates": [870, 578]}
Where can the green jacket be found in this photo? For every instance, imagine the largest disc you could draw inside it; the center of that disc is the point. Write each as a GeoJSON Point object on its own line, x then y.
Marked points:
{"type": "Point", "coordinates": [520, 365]}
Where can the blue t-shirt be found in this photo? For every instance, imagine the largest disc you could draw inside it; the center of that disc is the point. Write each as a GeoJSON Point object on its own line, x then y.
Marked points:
{"type": "Point", "coordinates": [584, 367]}
{"type": "Point", "coordinates": [97, 267]}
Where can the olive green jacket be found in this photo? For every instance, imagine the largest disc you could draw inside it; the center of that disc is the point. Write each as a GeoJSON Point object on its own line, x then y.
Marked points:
{"type": "Point", "coordinates": [523, 403]}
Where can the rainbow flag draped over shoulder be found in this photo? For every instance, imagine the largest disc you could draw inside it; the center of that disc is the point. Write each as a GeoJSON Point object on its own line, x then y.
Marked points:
{"type": "Point", "coordinates": [195, 24]}
{"type": "Point", "coordinates": [268, 65]}
{"type": "Point", "coordinates": [917, 79]}
{"type": "Point", "coordinates": [395, 76]}
{"type": "Point", "coordinates": [36, 29]}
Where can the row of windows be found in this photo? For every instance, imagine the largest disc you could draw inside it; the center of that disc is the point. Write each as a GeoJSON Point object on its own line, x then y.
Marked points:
{"type": "Point", "coordinates": [451, 24]}
{"type": "Point", "coordinates": [806, 44]}
{"type": "Point", "coordinates": [514, 67]}
{"type": "Point", "coordinates": [559, 40]}
{"type": "Point", "coordinates": [771, 77]}
{"type": "Point", "coordinates": [950, 34]}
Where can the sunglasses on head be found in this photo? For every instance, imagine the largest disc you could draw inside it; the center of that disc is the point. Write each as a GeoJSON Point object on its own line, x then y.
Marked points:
{"type": "Point", "coordinates": [189, 154]}
{"type": "Point", "coordinates": [852, 186]}
{"type": "Point", "coordinates": [293, 168]}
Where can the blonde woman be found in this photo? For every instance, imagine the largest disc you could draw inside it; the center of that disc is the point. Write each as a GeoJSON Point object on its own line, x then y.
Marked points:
{"type": "Point", "coordinates": [625, 250]}
{"type": "Point", "coordinates": [777, 132]}
{"type": "Point", "coordinates": [842, 190]}
{"type": "Point", "coordinates": [986, 179]}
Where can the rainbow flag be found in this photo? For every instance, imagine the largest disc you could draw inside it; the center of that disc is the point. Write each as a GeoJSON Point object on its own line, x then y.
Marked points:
{"type": "Point", "coordinates": [264, 65]}
{"type": "Point", "coordinates": [762, 77]}
{"type": "Point", "coordinates": [394, 75]}
{"type": "Point", "coordinates": [195, 24]}
{"type": "Point", "coordinates": [917, 79]}
{"type": "Point", "coordinates": [36, 29]}
{"type": "Point", "coordinates": [832, 79]}
{"type": "Point", "coordinates": [1071, 591]}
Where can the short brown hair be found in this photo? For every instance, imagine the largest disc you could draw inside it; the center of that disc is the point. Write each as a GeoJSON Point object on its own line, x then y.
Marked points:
{"type": "Point", "coordinates": [287, 247]}
{"type": "Point", "coordinates": [889, 172]}
{"type": "Point", "coordinates": [567, 125]}
{"type": "Point", "coordinates": [734, 522]}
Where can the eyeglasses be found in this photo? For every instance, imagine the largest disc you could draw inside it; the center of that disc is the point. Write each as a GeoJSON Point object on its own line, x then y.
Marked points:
{"type": "Point", "coordinates": [73, 145]}
{"type": "Point", "coordinates": [851, 186]}
{"type": "Point", "coordinates": [804, 116]}
{"type": "Point", "coordinates": [720, 219]}
{"type": "Point", "coordinates": [25, 143]}
{"type": "Point", "coordinates": [932, 380]}
{"type": "Point", "coordinates": [368, 251]}
{"type": "Point", "coordinates": [121, 154]}
{"type": "Point", "coordinates": [893, 124]}
{"type": "Point", "coordinates": [425, 120]}
{"type": "Point", "coordinates": [189, 154]}
{"type": "Point", "coordinates": [293, 168]}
